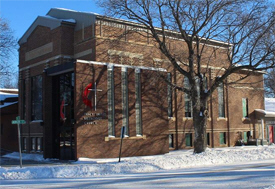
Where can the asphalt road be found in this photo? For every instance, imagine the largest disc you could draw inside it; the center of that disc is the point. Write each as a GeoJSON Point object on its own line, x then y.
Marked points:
{"type": "Point", "coordinates": [248, 176]}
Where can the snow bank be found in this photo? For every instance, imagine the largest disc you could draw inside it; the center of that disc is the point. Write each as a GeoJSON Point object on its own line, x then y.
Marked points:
{"type": "Point", "coordinates": [174, 160]}
{"type": "Point", "coordinates": [34, 157]}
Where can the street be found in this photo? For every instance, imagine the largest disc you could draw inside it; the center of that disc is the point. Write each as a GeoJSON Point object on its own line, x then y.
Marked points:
{"type": "Point", "coordinates": [260, 175]}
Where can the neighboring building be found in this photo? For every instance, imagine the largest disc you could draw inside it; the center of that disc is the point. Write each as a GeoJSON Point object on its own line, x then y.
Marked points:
{"type": "Point", "coordinates": [9, 111]}
{"type": "Point", "coordinates": [270, 104]}
{"type": "Point", "coordinates": [267, 119]}
{"type": "Point", "coordinates": [270, 122]}
{"type": "Point", "coordinates": [83, 76]}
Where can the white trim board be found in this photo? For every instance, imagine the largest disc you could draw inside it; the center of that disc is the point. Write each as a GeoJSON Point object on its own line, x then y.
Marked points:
{"type": "Point", "coordinates": [119, 65]}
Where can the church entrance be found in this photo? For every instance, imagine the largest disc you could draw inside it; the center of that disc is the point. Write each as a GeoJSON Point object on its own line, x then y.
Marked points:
{"type": "Point", "coordinates": [64, 131]}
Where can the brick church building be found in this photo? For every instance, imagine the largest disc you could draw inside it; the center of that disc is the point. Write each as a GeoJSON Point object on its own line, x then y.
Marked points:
{"type": "Point", "coordinates": [83, 76]}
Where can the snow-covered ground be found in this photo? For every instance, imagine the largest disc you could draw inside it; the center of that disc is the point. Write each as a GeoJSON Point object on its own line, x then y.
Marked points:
{"type": "Point", "coordinates": [85, 167]}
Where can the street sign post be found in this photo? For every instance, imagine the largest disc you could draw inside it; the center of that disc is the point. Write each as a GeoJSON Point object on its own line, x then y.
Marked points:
{"type": "Point", "coordinates": [18, 122]}
{"type": "Point", "coordinates": [121, 139]}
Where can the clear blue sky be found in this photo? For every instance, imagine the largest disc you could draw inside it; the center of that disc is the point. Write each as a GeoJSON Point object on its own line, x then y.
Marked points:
{"type": "Point", "coordinates": [22, 13]}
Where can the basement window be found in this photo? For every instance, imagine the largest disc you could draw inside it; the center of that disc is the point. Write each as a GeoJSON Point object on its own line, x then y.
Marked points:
{"type": "Point", "coordinates": [188, 139]}
{"type": "Point", "coordinates": [222, 138]}
{"type": "Point", "coordinates": [171, 141]}
{"type": "Point", "coordinates": [24, 144]}
{"type": "Point", "coordinates": [33, 144]}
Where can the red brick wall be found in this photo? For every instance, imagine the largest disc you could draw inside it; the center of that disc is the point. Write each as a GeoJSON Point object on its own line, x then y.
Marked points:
{"type": "Point", "coordinates": [9, 132]}
{"type": "Point", "coordinates": [91, 141]}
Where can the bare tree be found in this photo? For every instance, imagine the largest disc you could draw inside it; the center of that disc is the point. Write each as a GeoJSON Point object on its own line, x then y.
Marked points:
{"type": "Point", "coordinates": [270, 83]}
{"type": "Point", "coordinates": [244, 26]}
{"type": "Point", "coordinates": [8, 45]}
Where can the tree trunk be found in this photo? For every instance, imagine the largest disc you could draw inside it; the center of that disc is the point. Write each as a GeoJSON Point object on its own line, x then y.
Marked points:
{"type": "Point", "coordinates": [200, 122]}
{"type": "Point", "coordinates": [200, 132]}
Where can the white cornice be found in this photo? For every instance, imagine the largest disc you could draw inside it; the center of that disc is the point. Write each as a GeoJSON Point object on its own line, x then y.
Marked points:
{"type": "Point", "coordinates": [119, 65]}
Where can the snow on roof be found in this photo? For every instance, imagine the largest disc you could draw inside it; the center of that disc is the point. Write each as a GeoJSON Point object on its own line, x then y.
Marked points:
{"type": "Point", "coordinates": [8, 93]}
{"type": "Point", "coordinates": [265, 113]}
{"type": "Point", "coordinates": [8, 104]}
{"type": "Point", "coordinates": [70, 10]}
{"type": "Point", "coordinates": [270, 104]}
{"type": "Point", "coordinates": [4, 96]}
{"type": "Point", "coordinates": [69, 20]}
{"type": "Point", "coordinates": [15, 90]}
{"type": "Point", "coordinates": [83, 19]}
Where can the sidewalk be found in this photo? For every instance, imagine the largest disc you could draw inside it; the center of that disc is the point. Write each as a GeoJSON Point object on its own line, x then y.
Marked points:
{"type": "Point", "coordinates": [14, 162]}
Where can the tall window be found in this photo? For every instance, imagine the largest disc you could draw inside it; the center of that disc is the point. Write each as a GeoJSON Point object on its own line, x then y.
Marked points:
{"type": "Point", "coordinates": [125, 104]}
{"type": "Point", "coordinates": [138, 103]}
{"type": "Point", "coordinates": [245, 107]}
{"type": "Point", "coordinates": [187, 100]}
{"type": "Point", "coordinates": [188, 139]}
{"type": "Point", "coordinates": [223, 138]}
{"type": "Point", "coordinates": [36, 97]}
{"type": "Point", "coordinates": [111, 100]}
{"type": "Point", "coordinates": [24, 99]}
{"type": "Point", "coordinates": [221, 100]}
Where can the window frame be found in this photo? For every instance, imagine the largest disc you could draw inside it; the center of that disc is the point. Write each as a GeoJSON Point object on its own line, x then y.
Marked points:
{"type": "Point", "coordinates": [36, 98]}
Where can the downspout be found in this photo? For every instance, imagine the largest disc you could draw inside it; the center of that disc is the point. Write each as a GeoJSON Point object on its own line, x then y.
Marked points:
{"type": "Point", "coordinates": [227, 111]}
{"type": "Point", "coordinates": [211, 108]}
{"type": "Point", "coordinates": [176, 110]}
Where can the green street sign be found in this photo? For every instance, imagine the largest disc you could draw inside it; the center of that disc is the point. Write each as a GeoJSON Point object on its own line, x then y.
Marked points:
{"type": "Point", "coordinates": [18, 121]}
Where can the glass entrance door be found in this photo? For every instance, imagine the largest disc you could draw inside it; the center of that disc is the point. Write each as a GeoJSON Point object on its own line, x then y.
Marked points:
{"type": "Point", "coordinates": [66, 115]}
